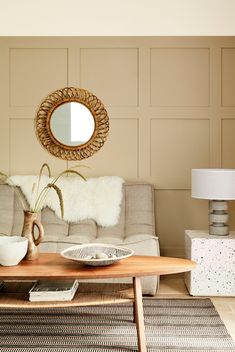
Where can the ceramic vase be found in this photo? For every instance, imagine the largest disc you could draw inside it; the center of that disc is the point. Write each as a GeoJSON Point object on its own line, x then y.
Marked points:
{"type": "Point", "coordinates": [30, 221]}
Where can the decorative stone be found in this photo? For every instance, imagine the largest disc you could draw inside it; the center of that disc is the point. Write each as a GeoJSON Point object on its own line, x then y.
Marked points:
{"type": "Point", "coordinates": [214, 274]}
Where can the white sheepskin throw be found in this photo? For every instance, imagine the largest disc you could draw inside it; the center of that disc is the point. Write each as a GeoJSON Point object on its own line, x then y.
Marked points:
{"type": "Point", "coordinates": [97, 198]}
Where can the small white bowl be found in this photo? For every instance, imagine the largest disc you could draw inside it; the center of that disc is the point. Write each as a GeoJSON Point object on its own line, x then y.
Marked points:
{"type": "Point", "coordinates": [12, 249]}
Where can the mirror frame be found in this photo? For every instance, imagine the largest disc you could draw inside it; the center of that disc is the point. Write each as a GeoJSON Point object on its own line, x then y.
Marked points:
{"type": "Point", "coordinates": [49, 141]}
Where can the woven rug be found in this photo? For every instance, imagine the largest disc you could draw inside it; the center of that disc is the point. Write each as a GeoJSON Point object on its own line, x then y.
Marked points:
{"type": "Point", "coordinates": [171, 325]}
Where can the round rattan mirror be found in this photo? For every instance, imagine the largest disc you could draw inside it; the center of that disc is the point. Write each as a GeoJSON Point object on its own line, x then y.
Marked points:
{"type": "Point", "coordinates": [72, 123]}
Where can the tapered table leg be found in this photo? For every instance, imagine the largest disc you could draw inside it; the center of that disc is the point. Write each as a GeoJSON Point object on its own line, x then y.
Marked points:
{"type": "Point", "coordinates": [139, 314]}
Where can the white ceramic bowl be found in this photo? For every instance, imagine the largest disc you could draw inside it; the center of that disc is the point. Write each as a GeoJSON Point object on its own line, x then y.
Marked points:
{"type": "Point", "coordinates": [84, 253]}
{"type": "Point", "coordinates": [12, 249]}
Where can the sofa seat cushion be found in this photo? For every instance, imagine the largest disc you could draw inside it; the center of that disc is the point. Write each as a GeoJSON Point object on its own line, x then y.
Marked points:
{"type": "Point", "coordinates": [141, 244]}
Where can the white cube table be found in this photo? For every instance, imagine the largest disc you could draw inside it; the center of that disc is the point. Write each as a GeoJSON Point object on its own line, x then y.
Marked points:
{"type": "Point", "coordinates": [214, 274]}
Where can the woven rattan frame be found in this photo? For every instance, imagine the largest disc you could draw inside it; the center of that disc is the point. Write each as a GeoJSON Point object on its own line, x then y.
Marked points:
{"type": "Point", "coordinates": [48, 140]}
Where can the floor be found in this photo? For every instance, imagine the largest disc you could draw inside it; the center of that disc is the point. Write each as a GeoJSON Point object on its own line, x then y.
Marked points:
{"type": "Point", "coordinates": [172, 286]}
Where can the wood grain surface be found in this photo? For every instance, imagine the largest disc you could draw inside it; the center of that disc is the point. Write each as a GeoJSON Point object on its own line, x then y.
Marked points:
{"type": "Point", "coordinates": [52, 265]}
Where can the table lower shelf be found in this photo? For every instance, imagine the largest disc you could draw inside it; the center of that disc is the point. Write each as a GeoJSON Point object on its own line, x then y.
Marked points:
{"type": "Point", "coordinates": [88, 294]}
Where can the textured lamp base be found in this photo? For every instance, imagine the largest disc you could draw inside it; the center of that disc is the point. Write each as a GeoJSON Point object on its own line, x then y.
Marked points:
{"type": "Point", "coordinates": [219, 230]}
{"type": "Point", "coordinates": [218, 218]}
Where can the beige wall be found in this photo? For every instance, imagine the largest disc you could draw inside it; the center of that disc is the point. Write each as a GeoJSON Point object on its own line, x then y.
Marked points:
{"type": "Point", "coordinates": [117, 18]}
{"type": "Point", "coordinates": [171, 102]}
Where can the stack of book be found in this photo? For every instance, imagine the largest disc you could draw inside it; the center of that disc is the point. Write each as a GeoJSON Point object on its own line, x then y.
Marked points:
{"type": "Point", "coordinates": [48, 290]}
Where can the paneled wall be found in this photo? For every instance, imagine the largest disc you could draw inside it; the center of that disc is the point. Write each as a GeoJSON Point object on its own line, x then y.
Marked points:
{"type": "Point", "coordinates": [171, 102]}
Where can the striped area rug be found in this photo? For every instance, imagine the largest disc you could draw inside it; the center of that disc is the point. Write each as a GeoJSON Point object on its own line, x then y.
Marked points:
{"type": "Point", "coordinates": [171, 326]}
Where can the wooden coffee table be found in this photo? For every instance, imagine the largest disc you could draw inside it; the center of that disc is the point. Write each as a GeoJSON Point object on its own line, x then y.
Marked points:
{"type": "Point", "coordinates": [52, 266]}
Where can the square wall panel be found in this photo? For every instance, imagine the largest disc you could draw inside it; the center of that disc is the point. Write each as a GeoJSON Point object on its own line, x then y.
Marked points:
{"type": "Point", "coordinates": [177, 211]}
{"type": "Point", "coordinates": [111, 74]}
{"type": "Point", "coordinates": [35, 73]}
{"type": "Point", "coordinates": [119, 154]}
{"type": "Point", "coordinates": [179, 77]}
{"type": "Point", "coordinates": [228, 77]}
{"type": "Point", "coordinates": [228, 143]}
{"type": "Point", "coordinates": [26, 153]}
{"type": "Point", "coordinates": [177, 146]}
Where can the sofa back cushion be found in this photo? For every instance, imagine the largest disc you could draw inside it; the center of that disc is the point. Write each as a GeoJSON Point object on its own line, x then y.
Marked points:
{"type": "Point", "coordinates": [140, 217]}
{"type": "Point", "coordinates": [7, 203]}
{"type": "Point", "coordinates": [136, 217]}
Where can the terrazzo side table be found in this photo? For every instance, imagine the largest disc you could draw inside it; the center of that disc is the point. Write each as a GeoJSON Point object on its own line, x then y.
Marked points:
{"type": "Point", "coordinates": [214, 274]}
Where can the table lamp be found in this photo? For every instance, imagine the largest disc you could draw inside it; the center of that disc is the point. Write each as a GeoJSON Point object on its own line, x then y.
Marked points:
{"type": "Point", "coordinates": [218, 186]}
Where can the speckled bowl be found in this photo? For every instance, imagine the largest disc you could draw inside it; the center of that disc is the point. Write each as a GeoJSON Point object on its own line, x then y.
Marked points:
{"type": "Point", "coordinates": [12, 249]}
{"type": "Point", "coordinates": [82, 253]}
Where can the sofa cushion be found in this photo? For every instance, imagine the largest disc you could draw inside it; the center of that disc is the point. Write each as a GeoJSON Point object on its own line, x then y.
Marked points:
{"type": "Point", "coordinates": [136, 222]}
{"type": "Point", "coordinates": [6, 209]}
{"type": "Point", "coordinates": [139, 209]}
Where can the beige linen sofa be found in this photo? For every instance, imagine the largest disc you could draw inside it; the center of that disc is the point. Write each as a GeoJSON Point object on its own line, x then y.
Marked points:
{"type": "Point", "coordinates": [135, 228]}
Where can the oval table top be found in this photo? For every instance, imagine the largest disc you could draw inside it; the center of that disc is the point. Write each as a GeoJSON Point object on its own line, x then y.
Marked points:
{"type": "Point", "coordinates": [54, 266]}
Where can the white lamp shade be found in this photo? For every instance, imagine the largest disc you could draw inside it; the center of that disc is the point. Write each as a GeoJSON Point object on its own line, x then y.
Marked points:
{"type": "Point", "coordinates": [217, 184]}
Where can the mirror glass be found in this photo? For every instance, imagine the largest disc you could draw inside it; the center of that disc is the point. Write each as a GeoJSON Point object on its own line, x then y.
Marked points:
{"type": "Point", "coordinates": [72, 124]}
